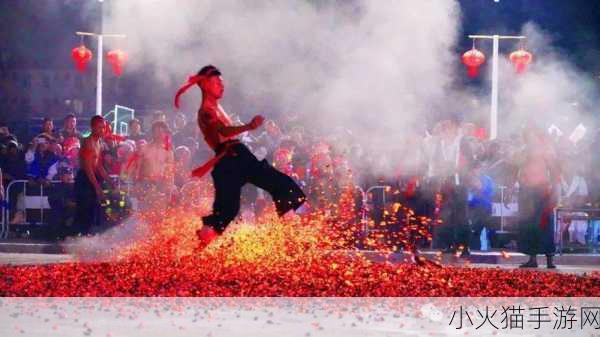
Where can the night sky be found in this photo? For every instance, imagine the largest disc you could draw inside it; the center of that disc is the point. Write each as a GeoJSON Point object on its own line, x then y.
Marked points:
{"type": "Point", "coordinates": [574, 25]}
{"type": "Point", "coordinates": [40, 33]}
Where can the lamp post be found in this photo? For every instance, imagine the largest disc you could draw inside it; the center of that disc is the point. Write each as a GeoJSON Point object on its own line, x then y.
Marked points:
{"type": "Point", "coordinates": [494, 105]}
{"type": "Point", "coordinates": [100, 58]}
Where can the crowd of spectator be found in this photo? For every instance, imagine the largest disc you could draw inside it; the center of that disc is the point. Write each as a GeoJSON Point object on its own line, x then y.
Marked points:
{"type": "Point", "coordinates": [452, 173]}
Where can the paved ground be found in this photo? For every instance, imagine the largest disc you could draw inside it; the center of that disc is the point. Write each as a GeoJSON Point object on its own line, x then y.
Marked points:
{"type": "Point", "coordinates": [28, 258]}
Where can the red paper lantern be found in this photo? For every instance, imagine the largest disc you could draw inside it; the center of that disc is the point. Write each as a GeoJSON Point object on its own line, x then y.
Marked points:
{"type": "Point", "coordinates": [521, 59]}
{"type": "Point", "coordinates": [117, 58]}
{"type": "Point", "coordinates": [81, 56]}
{"type": "Point", "coordinates": [481, 133]}
{"type": "Point", "coordinates": [473, 59]}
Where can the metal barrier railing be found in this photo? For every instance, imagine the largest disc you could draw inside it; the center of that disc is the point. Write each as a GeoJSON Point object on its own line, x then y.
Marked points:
{"type": "Point", "coordinates": [592, 215]}
{"type": "Point", "coordinates": [6, 212]}
{"type": "Point", "coordinates": [24, 186]}
{"type": "Point", "coordinates": [366, 207]}
{"type": "Point", "coordinates": [589, 217]}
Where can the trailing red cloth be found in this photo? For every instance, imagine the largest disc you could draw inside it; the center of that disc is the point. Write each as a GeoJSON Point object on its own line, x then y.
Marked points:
{"type": "Point", "coordinates": [192, 80]}
{"type": "Point", "coordinates": [203, 169]}
{"type": "Point", "coordinates": [200, 171]}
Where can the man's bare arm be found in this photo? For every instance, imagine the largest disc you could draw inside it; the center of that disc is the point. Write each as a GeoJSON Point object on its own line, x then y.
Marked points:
{"type": "Point", "coordinates": [100, 169]}
{"type": "Point", "coordinates": [232, 131]}
{"type": "Point", "coordinates": [88, 155]}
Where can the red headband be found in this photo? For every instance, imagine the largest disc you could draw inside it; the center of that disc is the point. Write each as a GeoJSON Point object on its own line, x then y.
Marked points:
{"type": "Point", "coordinates": [192, 80]}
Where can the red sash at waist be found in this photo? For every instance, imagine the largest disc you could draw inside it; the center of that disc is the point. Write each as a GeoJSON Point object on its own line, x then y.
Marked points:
{"type": "Point", "coordinates": [221, 151]}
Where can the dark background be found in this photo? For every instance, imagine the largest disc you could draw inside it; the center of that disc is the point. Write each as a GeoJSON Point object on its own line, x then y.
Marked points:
{"type": "Point", "coordinates": [39, 34]}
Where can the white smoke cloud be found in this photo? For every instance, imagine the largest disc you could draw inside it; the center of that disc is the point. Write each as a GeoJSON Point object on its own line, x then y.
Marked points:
{"type": "Point", "coordinates": [552, 91]}
{"type": "Point", "coordinates": [108, 245]}
{"type": "Point", "coordinates": [376, 67]}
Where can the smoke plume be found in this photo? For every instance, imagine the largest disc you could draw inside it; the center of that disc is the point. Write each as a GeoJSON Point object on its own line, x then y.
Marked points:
{"type": "Point", "coordinates": [377, 68]}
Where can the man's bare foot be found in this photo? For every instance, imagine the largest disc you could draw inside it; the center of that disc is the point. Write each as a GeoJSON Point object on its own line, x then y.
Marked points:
{"type": "Point", "coordinates": [206, 235]}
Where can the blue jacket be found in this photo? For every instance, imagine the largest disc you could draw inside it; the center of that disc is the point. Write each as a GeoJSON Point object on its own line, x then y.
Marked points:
{"type": "Point", "coordinates": [483, 197]}
{"type": "Point", "coordinates": [40, 165]}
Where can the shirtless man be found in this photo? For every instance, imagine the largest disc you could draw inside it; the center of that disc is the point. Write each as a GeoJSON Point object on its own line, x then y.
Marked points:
{"type": "Point", "coordinates": [88, 191]}
{"type": "Point", "coordinates": [234, 165]}
{"type": "Point", "coordinates": [156, 169]}
{"type": "Point", "coordinates": [535, 171]}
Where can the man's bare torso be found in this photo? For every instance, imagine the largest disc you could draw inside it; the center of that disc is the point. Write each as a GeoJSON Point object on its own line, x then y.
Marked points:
{"type": "Point", "coordinates": [210, 120]}
{"type": "Point", "coordinates": [90, 152]}
{"type": "Point", "coordinates": [156, 163]}
{"type": "Point", "coordinates": [535, 169]}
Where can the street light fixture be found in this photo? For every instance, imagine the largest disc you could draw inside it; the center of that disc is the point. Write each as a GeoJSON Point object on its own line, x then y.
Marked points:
{"type": "Point", "coordinates": [100, 58]}
{"type": "Point", "coordinates": [494, 105]}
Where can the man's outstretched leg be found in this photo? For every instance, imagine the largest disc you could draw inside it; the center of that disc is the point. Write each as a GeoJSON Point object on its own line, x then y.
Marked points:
{"type": "Point", "coordinates": [286, 194]}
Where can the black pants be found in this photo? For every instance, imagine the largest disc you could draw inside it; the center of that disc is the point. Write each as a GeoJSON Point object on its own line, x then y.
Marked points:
{"type": "Point", "coordinates": [455, 230]}
{"type": "Point", "coordinates": [88, 206]}
{"type": "Point", "coordinates": [236, 169]}
{"type": "Point", "coordinates": [536, 235]}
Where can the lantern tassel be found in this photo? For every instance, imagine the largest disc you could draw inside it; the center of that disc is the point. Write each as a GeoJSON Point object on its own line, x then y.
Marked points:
{"type": "Point", "coordinates": [472, 72]}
